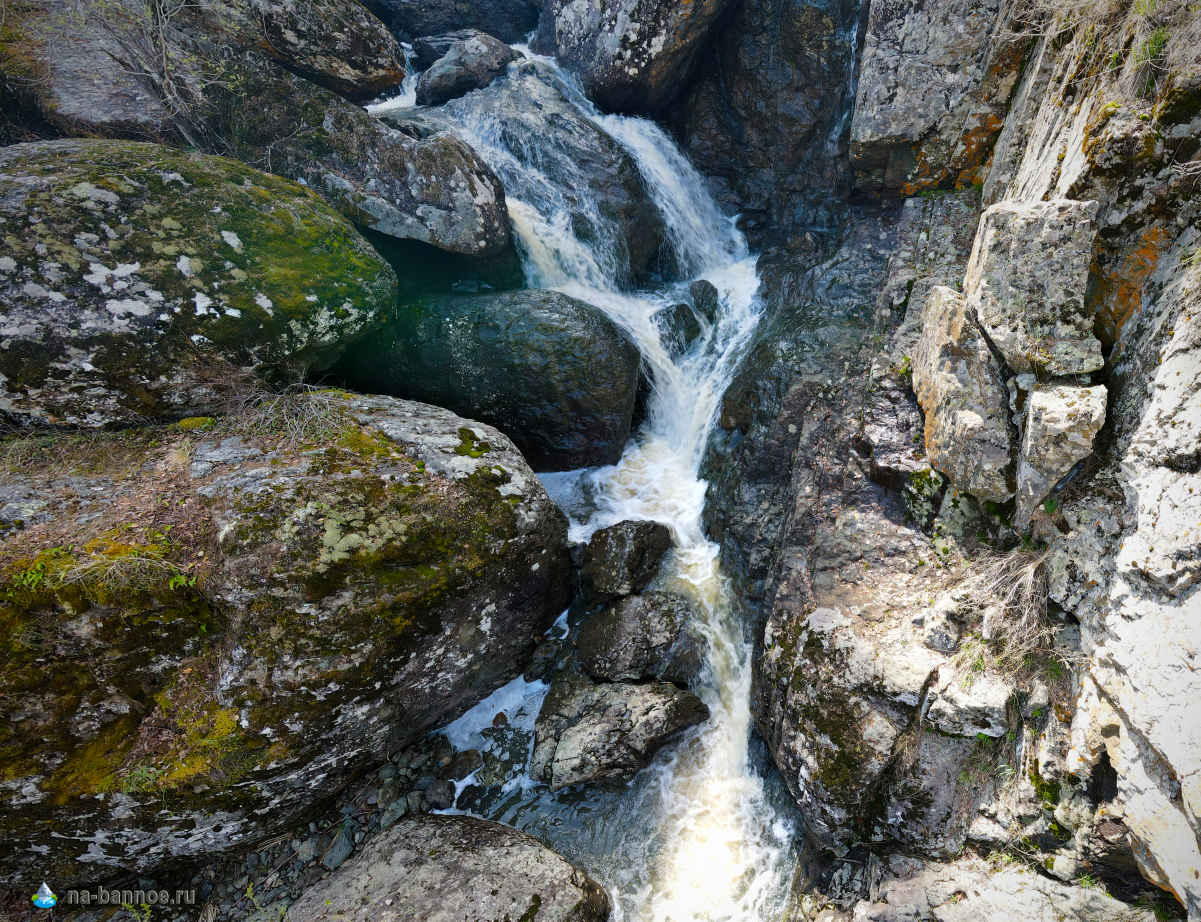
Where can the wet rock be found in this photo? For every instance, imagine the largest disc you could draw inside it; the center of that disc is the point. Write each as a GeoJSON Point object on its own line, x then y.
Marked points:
{"type": "Point", "coordinates": [622, 559]}
{"type": "Point", "coordinates": [631, 55]}
{"type": "Point", "coordinates": [508, 20]}
{"type": "Point", "coordinates": [958, 383]}
{"type": "Point", "coordinates": [430, 48]}
{"type": "Point", "coordinates": [1060, 424]}
{"type": "Point", "coordinates": [440, 795]}
{"type": "Point", "coordinates": [640, 637]}
{"type": "Point", "coordinates": [448, 868]}
{"type": "Point", "coordinates": [678, 328]}
{"type": "Point", "coordinates": [934, 83]}
{"type": "Point", "coordinates": [706, 299]}
{"type": "Point", "coordinates": [144, 282]}
{"type": "Point", "coordinates": [433, 189]}
{"type": "Point", "coordinates": [469, 64]}
{"type": "Point", "coordinates": [307, 608]}
{"type": "Point", "coordinates": [552, 372]}
{"type": "Point", "coordinates": [1026, 281]}
{"type": "Point", "coordinates": [588, 732]}
{"type": "Point", "coordinates": [594, 180]}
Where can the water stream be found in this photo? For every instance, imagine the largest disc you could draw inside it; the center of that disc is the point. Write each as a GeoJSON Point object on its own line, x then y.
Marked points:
{"type": "Point", "coordinates": [701, 835]}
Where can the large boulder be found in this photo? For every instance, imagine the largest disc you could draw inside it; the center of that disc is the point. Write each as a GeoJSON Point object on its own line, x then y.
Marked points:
{"type": "Point", "coordinates": [338, 44]}
{"type": "Point", "coordinates": [555, 160]}
{"type": "Point", "coordinates": [640, 637]}
{"type": "Point", "coordinates": [508, 20]}
{"type": "Point", "coordinates": [434, 189]}
{"type": "Point", "coordinates": [959, 385]}
{"type": "Point", "coordinates": [112, 69]}
{"type": "Point", "coordinates": [469, 64]}
{"type": "Point", "coordinates": [1027, 280]}
{"type": "Point", "coordinates": [452, 868]}
{"type": "Point", "coordinates": [934, 83]}
{"type": "Point", "coordinates": [631, 55]}
{"type": "Point", "coordinates": [552, 372]}
{"type": "Point", "coordinates": [138, 281]}
{"type": "Point", "coordinates": [331, 577]}
{"type": "Point", "coordinates": [591, 732]}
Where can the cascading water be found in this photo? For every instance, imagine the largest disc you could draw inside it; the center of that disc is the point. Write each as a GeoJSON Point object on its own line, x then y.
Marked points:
{"type": "Point", "coordinates": [696, 837]}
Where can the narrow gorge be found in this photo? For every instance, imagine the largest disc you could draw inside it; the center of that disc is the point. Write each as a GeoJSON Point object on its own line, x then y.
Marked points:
{"type": "Point", "coordinates": [583, 460]}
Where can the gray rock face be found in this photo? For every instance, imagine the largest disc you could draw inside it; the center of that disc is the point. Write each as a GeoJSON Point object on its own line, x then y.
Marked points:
{"type": "Point", "coordinates": [1027, 279]}
{"type": "Point", "coordinates": [433, 189]}
{"type": "Point", "coordinates": [1061, 422]}
{"type": "Point", "coordinates": [143, 282]}
{"type": "Point", "coordinates": [640, 637]}
{"type": "Point", "coordinates": [958, 383]}
{"type": "Point", "coordinates": [89, 56]}
{"type": "Point", "coordinates": [623, 558]}
{"type": "Point", "coordinates": [552, 372]}
{"type": "Point", "coordinates": [968, 890]}
{"type": "Point", "coordinates": [631, 55]}
{"type": "Point", "coordinates": [508, 20]}
{"type": "Point", "coordinates": [451, 868]}
{"type": "Point", "coordinates": [307, 607]}
{"type": "Point", "coordinates": [934, 82]}
{"type": "Point", "coordinates": [588, 732]}
{"type": "Point", "coordinates": [761, 117]}
{"type": "Point", "coordinates": [601, 187]}
{"type": "Point", "coordinates": [469, 64]}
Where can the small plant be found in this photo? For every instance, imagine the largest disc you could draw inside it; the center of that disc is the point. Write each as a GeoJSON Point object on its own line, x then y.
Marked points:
{"type": "Point", "coordinates": [299, 415]}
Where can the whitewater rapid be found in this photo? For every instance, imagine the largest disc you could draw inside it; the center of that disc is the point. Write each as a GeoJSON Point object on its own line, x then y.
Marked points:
{"type": "Point", "coordinates": [696, 837]}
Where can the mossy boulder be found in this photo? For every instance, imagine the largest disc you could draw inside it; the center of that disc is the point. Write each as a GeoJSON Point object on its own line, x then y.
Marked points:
{"type": "Point", "coordinates": [138, 281]}
{"type": "Point", "coordinates": [555, 374]}
{"type": "Point", "coordinates": [432, 189]}
{"type": "Point", "coordinates": [208, 630]}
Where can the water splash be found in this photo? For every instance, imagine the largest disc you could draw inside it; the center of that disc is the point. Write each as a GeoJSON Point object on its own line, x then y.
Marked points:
{"type": "Point", "coordinates": [696, 837]}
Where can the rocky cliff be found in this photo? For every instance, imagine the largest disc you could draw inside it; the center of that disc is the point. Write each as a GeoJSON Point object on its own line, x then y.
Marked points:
{"type": "Point", "coordinates": [978, 581]}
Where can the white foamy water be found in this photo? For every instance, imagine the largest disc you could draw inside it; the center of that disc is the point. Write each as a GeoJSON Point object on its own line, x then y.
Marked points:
{"type": "Point", "coordinates": [695, 837]}
{"type": "Point", "coordinates": [406, 96]}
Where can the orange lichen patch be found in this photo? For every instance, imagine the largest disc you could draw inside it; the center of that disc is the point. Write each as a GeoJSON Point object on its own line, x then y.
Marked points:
{"type": "Point", "coordinates": [1118, 294]}
{"type": "Point", "coordinates": [965, 166]}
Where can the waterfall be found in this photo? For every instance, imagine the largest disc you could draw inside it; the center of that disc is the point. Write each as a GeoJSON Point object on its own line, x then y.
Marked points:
{"type": "Point", "coordinates": [697, 836]}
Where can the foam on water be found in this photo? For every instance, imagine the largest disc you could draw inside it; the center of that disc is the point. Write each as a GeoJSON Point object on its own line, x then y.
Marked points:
{"type": "Point", "coordinates": [695, 837]}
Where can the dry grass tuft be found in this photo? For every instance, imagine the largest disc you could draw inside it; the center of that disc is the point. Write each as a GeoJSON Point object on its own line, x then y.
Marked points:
{"type": "Point", "coordinates": [299, 416]}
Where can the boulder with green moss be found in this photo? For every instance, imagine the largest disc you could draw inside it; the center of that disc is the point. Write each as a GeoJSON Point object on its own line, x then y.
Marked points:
{"type": "Point", "coordinates": [139, 282]}
{"type": "Point", "coordinates": [210, 626]}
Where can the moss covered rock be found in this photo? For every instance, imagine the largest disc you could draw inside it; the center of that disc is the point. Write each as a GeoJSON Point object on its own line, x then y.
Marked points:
{"type": "Point", "coordinates": [207, 630]}
{"type": "Point", "coordinates": [138, 281]}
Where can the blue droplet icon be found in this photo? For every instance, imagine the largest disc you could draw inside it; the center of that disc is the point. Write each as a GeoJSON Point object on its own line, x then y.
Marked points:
{"type": "Point", "coordinates": [44, 898]}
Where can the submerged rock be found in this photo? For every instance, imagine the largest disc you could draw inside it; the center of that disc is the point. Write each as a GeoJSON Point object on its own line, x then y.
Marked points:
{"type": "Point", "coordinates": [623, 558]}
{"type": "Point", "coordinates": [552, 372]}
{"type": "Point", "coordinates": [640, 637]}
{"type": "Point", "coordinates": [452, 868]}
{"type": "Point", "coordinates": [588, 732]}
{"type": "Point", "coordinates": [469, 64]}
{"type": "Point", "coordinates": [958, 383]}
{"type": "Point", "coordinates": [631, 55]}
{"type": "Point", "coordinates": [143, 282]}
{"type": "Point", "coordinates": [329, 580]}
{"type": "Point", "coordinates": [678, 328]}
